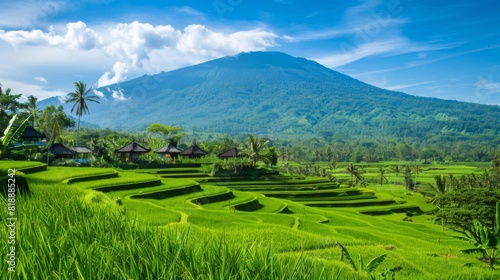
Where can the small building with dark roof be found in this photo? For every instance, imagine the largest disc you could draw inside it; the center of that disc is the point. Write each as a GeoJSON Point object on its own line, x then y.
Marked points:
{"type": "Point", "coordinates": [133, 149]}
{"type": "Point", "coordinates": [82, 150]}
{"type": "Point", "coordinates": [60, 151]}
{"type": "Point", "coordinates": [84, 154]}
{"type": "Point", "coordinates": [31, 136]}
{"type": "Point", "coordinates": [234, 152]}
{"type": "Point", "coordinates": [168, 151]}
{"type": "Point", "coordinates": [193, 152]}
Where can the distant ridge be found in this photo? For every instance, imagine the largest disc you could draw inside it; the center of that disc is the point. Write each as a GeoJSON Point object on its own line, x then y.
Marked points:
{"type": "Point", "coordinates": [275, 93]}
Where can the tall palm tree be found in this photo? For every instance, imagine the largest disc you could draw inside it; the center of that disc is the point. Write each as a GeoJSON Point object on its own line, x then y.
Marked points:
{"type": "Point", "coordinates": [407, 171]}
{"type": "Point", "coordinates": [32, 109]}
{"type": "Point", "coordinates": [79, 98]}
{"type": "Point", "coordinates": [396, 169]}
{"type": "Point", "coordinates": [254, 146]}
{"type": "Point", "coordinates": [381, 175]}
{"type": "Point", "coordinates": [356, 174]}
{"type": "Point", "coordinates": [440, 187]}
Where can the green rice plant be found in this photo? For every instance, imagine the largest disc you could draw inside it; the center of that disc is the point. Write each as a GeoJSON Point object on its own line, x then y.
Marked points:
{"type": "Point", "coordinates": [171, 192]}
{"type": "Point", "coordinates": [60, 236]}
{"type": "Point", "coordinates": [20, 165]}
{"type": "Point", "coordinates": [55, 174]}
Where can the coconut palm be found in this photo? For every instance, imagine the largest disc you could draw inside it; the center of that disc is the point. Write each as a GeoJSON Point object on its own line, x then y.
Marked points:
{"type": "Point", "coordinates": [381, 175]}
{"type": "Point", "coordinates": [254, 147]}
{"type": "Point", "coordinates": [79, 98]}
{"type": "Point", "coordinates": [356, 174]}
{"type": "Point", "coordinates": [396, 169]}
{"type": "Point", "coordinates": [407, 177]}
{"type": "Point", "coordinates": [440, 186]}
{"type": "Point", "coordinates": [31, 107]}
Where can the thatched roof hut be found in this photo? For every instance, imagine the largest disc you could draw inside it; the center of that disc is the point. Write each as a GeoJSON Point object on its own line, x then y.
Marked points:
{"type": "Point", "coordinates": [133, 149]}
{"type": "Point", "coordinates": [168, 151]}
{"type": "Point", "coordinates": [234, 152]}
{"type": "Point", "coordinates": [193, 152]}
{"type": "Point", "coordinates": [31, 134]}
{"type": "Point", "coordinates": [60, 151]}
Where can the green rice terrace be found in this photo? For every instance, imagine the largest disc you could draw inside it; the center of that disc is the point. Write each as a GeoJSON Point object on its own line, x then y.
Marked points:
{"type": "Point", "coordinates": [186, 222]}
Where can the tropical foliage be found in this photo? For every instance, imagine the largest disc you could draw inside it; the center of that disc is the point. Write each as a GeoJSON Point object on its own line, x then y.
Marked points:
{"type": "Point", "coordinates": [484, 239]}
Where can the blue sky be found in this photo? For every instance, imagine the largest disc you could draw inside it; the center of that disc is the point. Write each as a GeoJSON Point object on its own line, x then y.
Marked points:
{"type": "Point", "coordinates": [443, 49]}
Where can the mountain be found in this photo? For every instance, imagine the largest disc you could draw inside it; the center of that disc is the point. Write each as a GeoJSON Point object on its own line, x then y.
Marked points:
{"type": "Point", "coordinates": [272, 92]}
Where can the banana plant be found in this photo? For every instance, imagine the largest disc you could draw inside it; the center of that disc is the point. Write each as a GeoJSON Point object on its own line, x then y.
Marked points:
{"type": "Point", "coordinates": [484, 239]}
{"type": "Point", "coordinates": [360, 267]}
{"type": "Point", "coordinates": [11, 133]}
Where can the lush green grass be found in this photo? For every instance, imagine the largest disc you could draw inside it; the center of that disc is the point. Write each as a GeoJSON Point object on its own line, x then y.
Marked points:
{"type": "Point", "coordinates": [56, 174]}
{"type": "Point", "coordinates": [6, 164]}
{"type": "Point", "coordinates": [306, 235]}
{"type": "Point", "coordinates": [72, 239]}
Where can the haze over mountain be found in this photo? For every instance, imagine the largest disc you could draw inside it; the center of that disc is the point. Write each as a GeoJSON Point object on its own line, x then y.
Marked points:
{"type": "Point", "coordinates": [272, 92]}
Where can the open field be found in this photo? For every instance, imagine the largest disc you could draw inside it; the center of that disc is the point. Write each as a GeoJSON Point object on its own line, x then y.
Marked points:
{"type": "Point", "coordinates": [298, 220]}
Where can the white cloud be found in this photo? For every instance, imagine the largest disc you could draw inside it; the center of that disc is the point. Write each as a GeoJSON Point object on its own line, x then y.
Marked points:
{"type": "Point", "coordinates": [77, 36]}
{"type": "Point", "coordinates": [387, 47]}
{"type": "Point", "coordinates": [370, 28]}
{"type": "Point", "coordinates": [42, 80]}
{"type": "Point", "coordinates": [99, 94]}
{"type": "Point", "coordinates": [130, 46]}
{"type": "Point", "coordinates": [118, 95]}
{"type": "Point", "coordinates": [30, 89]}
{"type": "Point", "coordinates": [116, 75]}
{"type": "Point", "coordinates": [403, 86]}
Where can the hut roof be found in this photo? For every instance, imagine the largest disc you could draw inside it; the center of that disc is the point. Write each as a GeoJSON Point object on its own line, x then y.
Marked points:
{"type": "Point", "coordinates": [132, 147]}
{"type": "Point", "coordinates": [59, 149]}
{"type": "Point", "coordinates": [31, 133]}
{"type": "Point", "coordinates": [169, 149]}
{"type": "Point", "coordinates": [193, 151]}
{"type": "Point", "coordinates": [234, 152]}
{"type": "Point", "coordinates": [82, 150]}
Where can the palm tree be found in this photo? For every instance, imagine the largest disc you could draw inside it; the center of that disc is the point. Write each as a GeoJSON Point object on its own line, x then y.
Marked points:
{"type": "Point", "coordinates": [31, 107]}
{"type": "Point", "coordinates": [254, 147]}
{"type": "Point", "coordinates": [381, 175]}
{"type": "Point", "coordinates": [396, 169]}
{"type": "Point", "coordinates": [407, 177]}
{"type": "Point", "coordinates": [79, 99]}
{"type": "Point", "coordinates": [440, 187]}
{"type": "Point", "coordinates": [352, 170]}
{"type": "Point", "coordinates": [356, 174]}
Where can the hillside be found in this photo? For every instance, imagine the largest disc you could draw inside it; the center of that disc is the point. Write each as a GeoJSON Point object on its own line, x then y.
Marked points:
{"type": "Point", "coordinates": [272, 92]}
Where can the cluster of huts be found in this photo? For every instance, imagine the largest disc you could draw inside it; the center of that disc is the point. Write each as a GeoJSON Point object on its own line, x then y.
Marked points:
{"type": "Point", "coordinates": [131, 152]}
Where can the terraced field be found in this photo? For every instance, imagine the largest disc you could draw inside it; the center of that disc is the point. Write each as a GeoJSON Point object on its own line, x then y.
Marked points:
{"type": "Point", "coordinates": [292, 215]}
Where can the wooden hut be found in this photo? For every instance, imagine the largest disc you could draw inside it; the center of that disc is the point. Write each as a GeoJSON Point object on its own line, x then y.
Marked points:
{"type": "Point", "coordinates": [31, 136]}
{"type": "Point", "coordinates": [193, 152]}
{"type": "Point", "coordinates": [168, 151]}
{"type": "Point", "coordinates": [60, 151]}
{"type": "Point", "coordinates": [133, 149]}
{"type": "Point", "coordinates": [84, 153]}
{"type": "Point", "coordinates": [232, 153]}
{"type": "Point", "coordinates": [82, 150]}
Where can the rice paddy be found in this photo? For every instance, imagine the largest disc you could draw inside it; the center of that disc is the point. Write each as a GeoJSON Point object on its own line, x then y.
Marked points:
{"type": "Point", "coordinates": [292, 223]}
